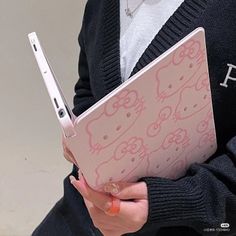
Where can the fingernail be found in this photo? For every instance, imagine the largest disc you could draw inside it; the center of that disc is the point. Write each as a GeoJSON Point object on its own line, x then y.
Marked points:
{"type": "Point", "coordinates": [74, 182]}
{"type": "Point", "coordinates": [72, 178]}
{"type": "Point", "coordinates": [111, 188]}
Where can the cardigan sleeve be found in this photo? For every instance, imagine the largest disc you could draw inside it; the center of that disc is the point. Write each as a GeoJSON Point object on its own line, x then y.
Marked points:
{"type": "Point", "coordinates": [203, 199]}
{"type": "Point", "coordinates": [83, 97]}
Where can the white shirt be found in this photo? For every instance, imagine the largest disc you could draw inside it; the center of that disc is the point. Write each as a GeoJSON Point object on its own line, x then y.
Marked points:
{"type": "Point", "coordinates": [137, 33]}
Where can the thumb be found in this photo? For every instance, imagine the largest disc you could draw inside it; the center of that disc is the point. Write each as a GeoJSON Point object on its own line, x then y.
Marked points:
{"type": "Point", "coordinates": [127, 191]}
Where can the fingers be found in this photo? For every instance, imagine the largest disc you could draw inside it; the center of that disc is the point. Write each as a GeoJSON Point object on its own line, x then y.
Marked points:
{"type": "Point", "coordinates": [102, 201]}
{"type": "Point", "coordinates": [100, 219]}
{"type": "Point", "coordinates": [131, 217]}
{"type": "Point", "coordinates": [67, 153]}
{"type": "Point", "coordinates": [88, 204]}
{"type": "Point", "coordinates": [126, 191]}
{"type": "Point", "coordinates": [126, 208]}
{"type": "Point", "coordinates": [69, 156]}
{"type": "Point", "coordinates": [115, 207]}
{"type": "Point", "coordinates": [109, 233]}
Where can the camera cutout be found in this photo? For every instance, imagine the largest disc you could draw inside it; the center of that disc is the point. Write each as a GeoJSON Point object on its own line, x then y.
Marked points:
{"type": "Point", "coordinates": [61, 113]}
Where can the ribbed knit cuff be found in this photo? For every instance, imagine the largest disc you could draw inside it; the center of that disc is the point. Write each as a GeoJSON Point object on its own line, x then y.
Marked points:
{"type": "Point", "coordinates": [175, 203]}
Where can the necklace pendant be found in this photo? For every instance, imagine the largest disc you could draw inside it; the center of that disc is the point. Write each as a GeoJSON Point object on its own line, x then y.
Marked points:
{"type": "Point", "coordinates": [128, 12]}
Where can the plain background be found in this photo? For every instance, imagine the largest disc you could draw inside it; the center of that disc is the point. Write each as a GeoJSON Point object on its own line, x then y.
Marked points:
{"type": "Point", "coordinates": [32, 166]}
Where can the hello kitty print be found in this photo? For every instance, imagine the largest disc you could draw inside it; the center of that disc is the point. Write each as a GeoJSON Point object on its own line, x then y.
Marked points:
{"type": "Point", "coordinates": [126, 106]}
{"type": "Point", "coordinates": [185, 63]}
{"type": "Point", "coordinates": [156, 124]}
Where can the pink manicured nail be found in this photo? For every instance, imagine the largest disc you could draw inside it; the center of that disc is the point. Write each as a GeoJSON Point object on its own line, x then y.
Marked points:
{"type": "Point", "coordinates": [72, 178]}
{"type": "Point", "coordinates": [112, 188]}
{"type": "Point", "coordinates": [75, 182]}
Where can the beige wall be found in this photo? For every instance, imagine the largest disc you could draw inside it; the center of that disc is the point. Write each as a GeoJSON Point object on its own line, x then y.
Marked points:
{"type": "Point", "coordinates": [32, 166]}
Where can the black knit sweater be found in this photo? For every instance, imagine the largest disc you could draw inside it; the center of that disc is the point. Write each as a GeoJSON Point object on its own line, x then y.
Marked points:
{"type": "Point", "coordinates": [205, 197]}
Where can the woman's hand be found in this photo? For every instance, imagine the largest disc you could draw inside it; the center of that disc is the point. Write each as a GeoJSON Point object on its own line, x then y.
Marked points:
{"type": "Point", "coordinates": [66, 152]}
{"type": "Point", "coordinates": [133, 206]}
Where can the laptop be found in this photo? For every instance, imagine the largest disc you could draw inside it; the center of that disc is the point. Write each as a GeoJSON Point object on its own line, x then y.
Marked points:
{"type": "Point", "coordinates": [157, 123]}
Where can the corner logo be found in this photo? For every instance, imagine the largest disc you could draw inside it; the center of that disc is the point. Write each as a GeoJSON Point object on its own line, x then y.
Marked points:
{"type": "Point", "coordinates": [224, 225]}
{"type": "Point", "coordinates": [228, 77]}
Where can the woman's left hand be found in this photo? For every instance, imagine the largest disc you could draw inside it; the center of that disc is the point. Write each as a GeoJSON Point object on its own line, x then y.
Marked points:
{"type": "Point", "coordinates": [133, 206]}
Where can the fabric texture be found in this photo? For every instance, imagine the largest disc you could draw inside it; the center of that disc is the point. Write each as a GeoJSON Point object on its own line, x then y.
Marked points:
{"type": "Point", "coordinates": [205, 197]}
{"type": "Point", "coordinates": [140, 29]}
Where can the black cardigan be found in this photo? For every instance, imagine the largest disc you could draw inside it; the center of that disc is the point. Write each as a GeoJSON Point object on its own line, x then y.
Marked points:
{"type": "Point", "coordinates": [206, 196]}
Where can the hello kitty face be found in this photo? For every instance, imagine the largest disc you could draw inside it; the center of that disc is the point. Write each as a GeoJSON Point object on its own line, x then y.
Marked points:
{"type": "Point", "coordinates": [184, 64]}
{"type": "Point", "coordinates": [200, 98]}
{"type": "Point", "coordinates": [173, 146]}
{"type": "Point", "coordinates": [119, 115]}
{"type": "Point", "coordinates": [126, 158]}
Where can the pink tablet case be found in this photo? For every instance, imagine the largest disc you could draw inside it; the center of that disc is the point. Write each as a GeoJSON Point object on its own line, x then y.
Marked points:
{"type": "Point", "coordinates": [155, 124]}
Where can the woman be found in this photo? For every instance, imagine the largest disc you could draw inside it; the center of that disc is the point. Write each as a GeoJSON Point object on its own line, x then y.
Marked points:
{"type": "Point", "coordinates": [117, 39]}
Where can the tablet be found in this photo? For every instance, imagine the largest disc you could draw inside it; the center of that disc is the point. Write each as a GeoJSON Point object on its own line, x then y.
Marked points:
{"type": "Point", "coordinates": [157, 123]}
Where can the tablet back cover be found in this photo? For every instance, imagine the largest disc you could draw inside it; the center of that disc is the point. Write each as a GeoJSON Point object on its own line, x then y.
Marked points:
{"type": "Point", "coordinates": [155, 124]}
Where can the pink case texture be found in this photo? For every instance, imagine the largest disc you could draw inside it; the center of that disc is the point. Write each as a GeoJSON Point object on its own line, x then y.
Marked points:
{"type": "Point", "coordinates": [156, 124]}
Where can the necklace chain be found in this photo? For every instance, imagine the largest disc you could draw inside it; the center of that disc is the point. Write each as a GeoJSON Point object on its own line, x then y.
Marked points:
{"type": "Point", "coordinates": [129, 12]}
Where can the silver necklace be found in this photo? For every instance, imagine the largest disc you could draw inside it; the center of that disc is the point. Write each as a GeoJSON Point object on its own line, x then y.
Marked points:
{"type": "Point", "coordinates": [130, 12]}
